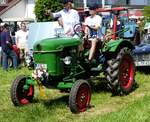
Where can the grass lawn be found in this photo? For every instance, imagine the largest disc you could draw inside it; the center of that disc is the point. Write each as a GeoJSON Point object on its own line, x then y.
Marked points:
{"type": "Point", "coordinates": [134, 107]}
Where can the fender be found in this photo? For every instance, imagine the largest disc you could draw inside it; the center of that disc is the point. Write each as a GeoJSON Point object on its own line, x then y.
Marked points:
{"type": "Point", "coordinates": [115, 45]}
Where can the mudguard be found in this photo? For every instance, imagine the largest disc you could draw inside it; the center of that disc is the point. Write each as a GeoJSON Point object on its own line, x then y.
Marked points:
{"type": "Point", "coordinates": [115, 45]}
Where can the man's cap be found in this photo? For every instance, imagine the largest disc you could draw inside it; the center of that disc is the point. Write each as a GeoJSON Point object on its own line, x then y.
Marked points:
{"type": "Point", "coordinates": [67, 1]}
{"type": "Point", "coordinates": [93, 7]}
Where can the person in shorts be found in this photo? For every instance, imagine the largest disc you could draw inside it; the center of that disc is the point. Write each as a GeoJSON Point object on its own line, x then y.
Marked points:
{"type": "Point", "coordinates": [92, 26]}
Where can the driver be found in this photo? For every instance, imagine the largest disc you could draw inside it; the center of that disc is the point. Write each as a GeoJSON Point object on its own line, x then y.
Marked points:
{"type": "Point", "coordinates": [68, 17]}
{"type": "Point", "coordinates": [93, 24]}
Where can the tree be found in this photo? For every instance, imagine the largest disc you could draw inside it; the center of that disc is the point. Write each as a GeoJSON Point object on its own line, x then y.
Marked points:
{"type": "Point", "coordinates": [146, 13]}
{"type": "Point", "coordinates": [42, 5]}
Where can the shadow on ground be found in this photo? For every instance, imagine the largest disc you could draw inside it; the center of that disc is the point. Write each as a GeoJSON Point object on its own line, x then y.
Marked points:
{"type": "Point", "coordinates": [99, 85]}
{"type": "Point", "coordinates": [63, 100]}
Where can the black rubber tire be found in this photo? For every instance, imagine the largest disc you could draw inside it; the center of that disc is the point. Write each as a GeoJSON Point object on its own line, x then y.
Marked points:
{"type": "Point", "coordinates": [80, 86]}
{"type": "Point", "coordinates": [17, 92]}
{"type": "Point", "coordinates": [114, 69]}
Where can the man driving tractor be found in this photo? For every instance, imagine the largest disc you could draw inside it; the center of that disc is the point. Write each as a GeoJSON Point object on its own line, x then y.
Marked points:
{"type": "Point", "coordinates": [67, 17]}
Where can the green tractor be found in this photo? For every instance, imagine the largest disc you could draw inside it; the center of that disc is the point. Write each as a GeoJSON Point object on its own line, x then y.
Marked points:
{"type": "Point", "coordinates": [62, 65]}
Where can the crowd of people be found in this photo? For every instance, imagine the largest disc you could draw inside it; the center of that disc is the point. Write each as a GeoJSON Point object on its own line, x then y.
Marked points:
{"type": "Point", "coordinates": [13, 47]}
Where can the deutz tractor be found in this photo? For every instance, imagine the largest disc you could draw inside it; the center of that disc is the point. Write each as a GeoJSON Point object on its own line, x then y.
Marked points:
{"type": "Point", "coordinates": [61, 63]}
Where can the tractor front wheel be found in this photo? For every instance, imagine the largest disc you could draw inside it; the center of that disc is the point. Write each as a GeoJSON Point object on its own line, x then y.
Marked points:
{"type": "Point", "coordinates": [80, 96]}
{"type": "Point", "coordinates": [20, 95]}
{"type": "Point", "coordinates": [120, 72]}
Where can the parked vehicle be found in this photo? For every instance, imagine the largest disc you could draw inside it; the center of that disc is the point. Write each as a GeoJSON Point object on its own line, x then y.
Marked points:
{"type": "Point", "coordinates": [13, 27]}
{"type": "Point", "coordinates": [142, 51]}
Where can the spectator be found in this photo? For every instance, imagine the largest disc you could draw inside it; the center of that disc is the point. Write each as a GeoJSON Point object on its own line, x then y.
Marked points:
{"type": "Point", "coordinates": [6, 45]}
{"type": "Point", "coordinates": [22, 42]}
{"type": "Point", "coordinates": [68, 17]}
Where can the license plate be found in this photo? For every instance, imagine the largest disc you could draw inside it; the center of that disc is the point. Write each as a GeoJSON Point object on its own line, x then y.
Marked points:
{"type": "Point", "coordinates": [41, 66]}
{"type": "Point", "coordinates": [142, 63]}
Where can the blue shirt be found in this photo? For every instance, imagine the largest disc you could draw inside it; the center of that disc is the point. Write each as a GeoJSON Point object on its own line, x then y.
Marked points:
{"type": "Point", "coordinates": [4, 38]}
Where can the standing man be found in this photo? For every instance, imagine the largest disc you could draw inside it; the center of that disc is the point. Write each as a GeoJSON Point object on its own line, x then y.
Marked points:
{"type": "Point", "coordinates": [22, 42]}
{"type": "Point", "coordinates": [68, 17]}
{"type": "Point", "coordinates": [93, 24]}
{"type": "Point", "coordinates": [6, 45]}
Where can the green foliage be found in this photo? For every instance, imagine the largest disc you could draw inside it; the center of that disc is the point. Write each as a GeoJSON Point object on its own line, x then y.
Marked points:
{"type": "Point", "coordinates": [42, 5]}
{"type": "Point", "coordinates": [146, 12]}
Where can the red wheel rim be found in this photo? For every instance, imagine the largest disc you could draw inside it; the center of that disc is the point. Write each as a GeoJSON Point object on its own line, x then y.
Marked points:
{"type": "Point", "coordinates": [24, 96]}
{"type": "Point", "coordinates": [83, 97]}
{"type": "Point", "coordinates": [126, 72]}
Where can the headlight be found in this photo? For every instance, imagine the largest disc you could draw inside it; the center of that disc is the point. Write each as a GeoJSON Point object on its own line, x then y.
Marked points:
{"type": "Point", "coordinates": [67, 60]}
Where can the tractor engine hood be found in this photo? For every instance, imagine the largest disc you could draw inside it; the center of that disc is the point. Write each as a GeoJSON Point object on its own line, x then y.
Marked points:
{"type": "Point", "coordinates": [55, 44]}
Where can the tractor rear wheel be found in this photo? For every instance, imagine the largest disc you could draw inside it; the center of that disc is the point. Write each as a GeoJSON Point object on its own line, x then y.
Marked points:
{"type": "Point", "coordinates": [80, 96]}
{"type": "Point", "coordinates": [19, 95]}
{"type": "Point", "coordinates": [120, 72]}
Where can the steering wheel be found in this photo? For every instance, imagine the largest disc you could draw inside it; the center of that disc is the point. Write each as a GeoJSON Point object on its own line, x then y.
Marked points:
{"type": "Point", "coordinates": [78, 30]}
